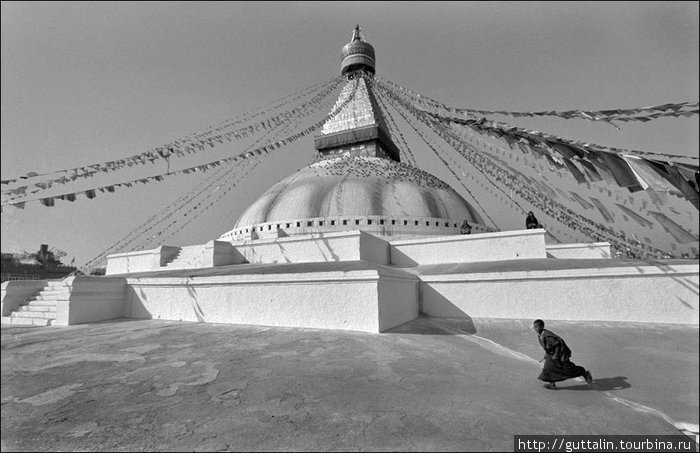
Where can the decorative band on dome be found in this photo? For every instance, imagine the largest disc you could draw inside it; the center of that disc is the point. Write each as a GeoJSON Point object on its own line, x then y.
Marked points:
{"type": "Point", "coordinates": [357, 47]}
{"type": "Point", "coordinates": [381, 225]}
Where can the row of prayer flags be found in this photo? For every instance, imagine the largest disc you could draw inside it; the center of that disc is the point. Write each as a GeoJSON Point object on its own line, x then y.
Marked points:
{"type": "Point", "coordinates": [685, 109]}
{"type": "Point", "coordinates": [179, 148]}
{"type": "Point", "coordinates": [540, 194]}
{"type": "Point", "coordinates": [597, 163]}
{"type": "Point", "coordinates": [49, 201]}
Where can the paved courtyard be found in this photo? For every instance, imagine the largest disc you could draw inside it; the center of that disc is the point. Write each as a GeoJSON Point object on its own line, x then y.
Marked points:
{"type": "Point", "coordinates": [431, 384]}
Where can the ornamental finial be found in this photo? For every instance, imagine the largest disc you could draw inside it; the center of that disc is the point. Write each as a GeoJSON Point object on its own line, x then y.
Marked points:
{"type": "Point", "coordinates": [357, 34]}
{"type": "Point", "coordinates": [357, 54]}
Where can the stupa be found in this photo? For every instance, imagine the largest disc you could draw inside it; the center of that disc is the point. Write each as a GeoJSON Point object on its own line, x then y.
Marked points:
{"type": "Point", "coordinates": [357, 181]}
{"type": "Point", "coordinates": [358, 240]}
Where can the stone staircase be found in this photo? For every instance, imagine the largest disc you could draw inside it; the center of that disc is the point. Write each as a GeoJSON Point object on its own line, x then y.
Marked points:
{"type": "Point", "coordinates": [40, 309]}
{"type": "Point", "coordinates": [187, 258]}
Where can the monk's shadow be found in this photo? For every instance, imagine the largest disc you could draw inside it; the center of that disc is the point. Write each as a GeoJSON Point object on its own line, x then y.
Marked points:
{"type": "Point", "coordinates": [601, 385]}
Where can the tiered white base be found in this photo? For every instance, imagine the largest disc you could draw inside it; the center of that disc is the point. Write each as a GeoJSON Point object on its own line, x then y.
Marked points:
{"type": "Point", "coordinates": [357, 281]}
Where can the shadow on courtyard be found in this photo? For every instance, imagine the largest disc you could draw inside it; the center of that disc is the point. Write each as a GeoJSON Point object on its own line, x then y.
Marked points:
{"type": "Point", "coordinates": [600, 385]}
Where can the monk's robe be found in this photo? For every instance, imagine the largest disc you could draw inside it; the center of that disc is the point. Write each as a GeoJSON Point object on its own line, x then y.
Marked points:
{"type": "Point", "coordinates": [557, 366]}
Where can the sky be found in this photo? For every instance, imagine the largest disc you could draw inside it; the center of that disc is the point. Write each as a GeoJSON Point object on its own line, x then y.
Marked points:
{"type": "Point", "coordinates": [87, 82]}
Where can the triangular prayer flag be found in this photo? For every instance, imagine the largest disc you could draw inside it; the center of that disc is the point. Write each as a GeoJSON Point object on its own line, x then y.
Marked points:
{"type": "Point", "coordinates": [47, 201]}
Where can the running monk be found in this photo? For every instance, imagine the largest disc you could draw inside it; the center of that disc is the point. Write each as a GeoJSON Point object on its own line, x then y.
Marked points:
{"type": "Point", "coordinates": [557, 366]}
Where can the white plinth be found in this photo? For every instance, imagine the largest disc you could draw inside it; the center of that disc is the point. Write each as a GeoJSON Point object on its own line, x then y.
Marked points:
{"type": "Point", "coordinates": [500, 246]}
{"type": "Point", "coordinates": [634, 293]}
{"type": "Point", "coordinates": [369, 300]}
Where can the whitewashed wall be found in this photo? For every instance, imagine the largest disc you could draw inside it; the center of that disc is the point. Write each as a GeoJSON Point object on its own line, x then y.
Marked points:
{"type": "Point", "coordinates": [644, 293]}
{"type": "Point", "coordinates": [507, 245]}
{"type": "Point", "coordinates": [90, 299]}
{"type": "Point", "coordinates": [140, 261]}
{"type": "Point", "coordinates": [332, 300]}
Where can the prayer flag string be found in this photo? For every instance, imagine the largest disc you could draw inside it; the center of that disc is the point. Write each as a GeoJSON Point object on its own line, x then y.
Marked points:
{"type": "Point", "coordinates": [187, 145]}
{"type": "Point", "coordinates": [684, 109]}
{"type": "Point", "coordinates": [49, 201]}
{"type": "Point", "coordinates": [536, 197]}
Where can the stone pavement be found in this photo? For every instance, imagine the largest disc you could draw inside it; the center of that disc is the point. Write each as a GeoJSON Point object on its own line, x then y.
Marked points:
{"type": "Point", "coordinates": [431, 384]}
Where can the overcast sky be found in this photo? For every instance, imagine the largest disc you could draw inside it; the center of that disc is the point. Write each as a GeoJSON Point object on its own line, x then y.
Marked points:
{"type": "Point", "coordinates": [88, 82]}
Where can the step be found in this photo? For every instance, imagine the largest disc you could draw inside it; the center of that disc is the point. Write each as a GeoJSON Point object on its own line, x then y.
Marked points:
{"type": "Point", "coordinates": [9, 320]}
{"type": "Point", "coordinates": [55, 289]}
{"type": "Point", "coordinates": [43, 297]}
{"type": "Point", "coordinates": [189, 262]}
{"type": "Point", "coordinates": [30, 321]}
{"type": "Point", "coordinates": [187, 256]}
{"type": "Point", "coordinates": [183, 262]}
{"type": "Point", "coordinates": [57, 296]}
{"type": "Point", "coordinates": [33, 314]}
{"type": "Point", "coordinates": [58, 286]}
{"type": "Point", "coordinates": [37, 307]}
{"type": "Point", "coordinates": [39, 302]}
{"type": "Point", "coordinates": [174, 257]}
